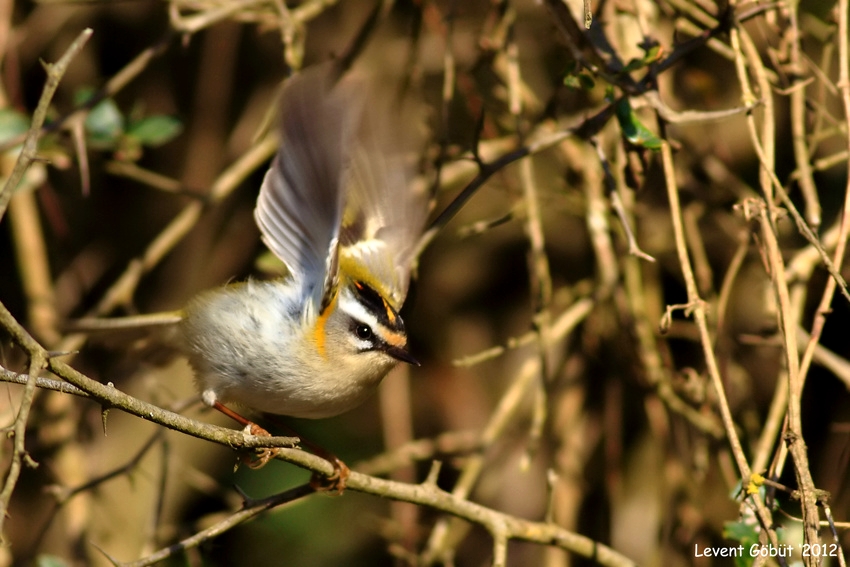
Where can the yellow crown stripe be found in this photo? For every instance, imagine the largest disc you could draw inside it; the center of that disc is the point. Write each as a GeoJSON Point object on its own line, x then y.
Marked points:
{"type": "Point", "coordinates": [355, 271]}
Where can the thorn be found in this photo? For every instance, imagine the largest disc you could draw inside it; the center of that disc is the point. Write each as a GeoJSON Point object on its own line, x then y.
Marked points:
{"type": "Point", "coordinates": [242, 493]}
{"type": "Point", "coordinates": [104, 414]}
{"type": "Point", "coordinates": [29, 461]}
{"type": "Point", "coordinates": [247, 501]}
{"type": "Point", "coordinates": [433, 473]}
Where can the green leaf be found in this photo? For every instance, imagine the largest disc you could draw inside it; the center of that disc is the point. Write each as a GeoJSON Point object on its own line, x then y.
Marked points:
{"type": "Point", "coordinates": [12, 123]}
{"type": "Point", "coordinates": [579, 81]}
{"type": "Point", "coordinates": [634, 131]}
{"type": "Point", "coordinates": [155, 130]}
{"type": "Point", "coordinates": [741, 531]}
{"type": "Point", "coordinates": [50, 561]}
{"type": "Point", "coordinates": [745, 534]}
{"type": "Point", "coordinates": [105, 124]}
{"type": "Point", "coordinates": [82, 95]}
{"type": "Point", "coordinates": [650, 56]}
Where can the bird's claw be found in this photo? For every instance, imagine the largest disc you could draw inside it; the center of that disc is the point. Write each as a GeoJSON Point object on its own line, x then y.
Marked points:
{"type": "Point", "coordinates": [259, 457]}
{"type": "Point", "coordinates": [333, 483]}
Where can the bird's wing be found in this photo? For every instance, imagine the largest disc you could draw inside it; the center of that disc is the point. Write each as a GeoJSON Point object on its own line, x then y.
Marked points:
{"type": "Point", "coordinates": [300, 206]}
{"type": "Point", "coordinates": [385, 211]}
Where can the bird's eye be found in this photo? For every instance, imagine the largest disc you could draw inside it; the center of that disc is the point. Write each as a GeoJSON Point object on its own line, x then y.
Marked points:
{"type": "Point", "coordinates": [363, 332]}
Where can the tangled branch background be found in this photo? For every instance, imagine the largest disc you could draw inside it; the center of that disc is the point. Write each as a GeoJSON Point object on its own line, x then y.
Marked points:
{"type": "Point", "coordinates": [631, 308]}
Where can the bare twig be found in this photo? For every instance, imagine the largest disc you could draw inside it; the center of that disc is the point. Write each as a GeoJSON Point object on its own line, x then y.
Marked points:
{"type": "Point", "coordinates": [794, 436]}
{"type": "Point", "coordinates": [798, 124]}
{"type": "Point", "coordinates": [18, 432]}
{"type": "Point", "coordinates": [697, 307]}
{"type": "Point", "coordinates": [250, 510]}
{"type": "Point", "coordinates": [28, 155]}
{"type": "Point", "coordinates": [37, 358]}
{"type": "Point", "coordinates": [118, 81]}
{"type": "Point", "coordinates": [428, 494]}
{"type": "Point", "coordinates": [501, 417]}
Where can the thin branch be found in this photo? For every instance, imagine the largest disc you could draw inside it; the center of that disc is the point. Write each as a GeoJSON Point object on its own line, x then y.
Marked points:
{"type": "Point", "coordinates": [428, 495]}
{"type": "Point", "coordinates": [539, 274]}
{"type": "Point", "coordinates": [121, 292]}
{"type": "Point", "coordinates": [486, 171]}
{"type": "Point", "coordinates": [249, 511]}
{"type": "Point", "coordinates": [564, 322]}
{"type": "Point", "coordinates": [598, 225]}
{"type": "Point", "coordinates": [118, 81]}
{"type": "Point", "coordinates": [798, 124]}
{"type": "Point", "coordinates": [55, 72]}
{"type": "Point", "coordinates": [697, 307]}
{"type": "Point", "coordinates": [420, 450]}
{"type": "Point", "coordinates": [770, 182]}
{"type": "Point", "coordinates": [794, 436]}
{"type": "Point", "coordinates": [18, 433]}
{"type": "Point", "coordinates": [33, 264]}
{"type": "Point", "coordinates": [42, 383]}
{"type": "Point", "coordinates": [37, 358]}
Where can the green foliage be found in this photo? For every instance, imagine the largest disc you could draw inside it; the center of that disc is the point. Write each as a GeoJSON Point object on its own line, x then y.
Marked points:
{"type": "Point", "coordinates": [50, 561]}
{"type": "Point", "coordinates": [155, 130]}
{"type": "Point", "coordinates": [108, 129]}
{"type": "Point", "coordinates": [744, 533]}
{"type": "Point", "coordinates": [104, 125]}
{"type": "Point", "coordinates": [633, 129]}
{"type": "Point", "coordinates": [651, 55]}
{"type": "Point", "coordinates": [12, 124]}
{"type": "Point", "coordinates": [579, 81]}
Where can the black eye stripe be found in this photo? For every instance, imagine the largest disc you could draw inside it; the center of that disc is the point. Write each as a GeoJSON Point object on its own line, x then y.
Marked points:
{"type": "Point", "coordinates": [377, 306]}
{"type": "Point", "coordinates": [370, 297]}
{"type": "Point", "coordinates": [373, 338]}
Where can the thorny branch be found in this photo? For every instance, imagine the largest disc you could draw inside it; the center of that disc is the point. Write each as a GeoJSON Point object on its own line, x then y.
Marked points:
{"type": "Point", "coordinates": [29, 153]}
{"type": "Point", "coordinates": [498, 523]}
{"type": "Point", "coordinates": [37, 359]}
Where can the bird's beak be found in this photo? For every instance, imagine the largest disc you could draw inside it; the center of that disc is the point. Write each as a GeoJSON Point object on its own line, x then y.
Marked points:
{"type": "Point", "coordinates": [401, 353]}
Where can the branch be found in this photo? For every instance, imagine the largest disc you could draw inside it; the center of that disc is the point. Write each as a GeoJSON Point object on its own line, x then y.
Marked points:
{"type": "Point", "coordinates": [425, 494]}
{"type": "Point", "coordinates": [502, 526]}
{"type": "Point", "coordinates": [37, 357]}
{"type": "Point", "coordinates": [28, 154]}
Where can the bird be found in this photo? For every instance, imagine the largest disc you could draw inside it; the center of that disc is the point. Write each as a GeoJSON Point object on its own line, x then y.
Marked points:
{"type": "Point", "coordinates": [340, 208]}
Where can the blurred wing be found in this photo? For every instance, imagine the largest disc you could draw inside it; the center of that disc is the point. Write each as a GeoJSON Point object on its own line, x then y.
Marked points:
{"type": "Point", "coordinates": [385, 213]}
{"type": "Point", "coordinates": [299, 209]}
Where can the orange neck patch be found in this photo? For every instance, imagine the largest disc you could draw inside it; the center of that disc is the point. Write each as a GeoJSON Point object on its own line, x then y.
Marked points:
{"type": "Point", "coordinates": [319, 334]}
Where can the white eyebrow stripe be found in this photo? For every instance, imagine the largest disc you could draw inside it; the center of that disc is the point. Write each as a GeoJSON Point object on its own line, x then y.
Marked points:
{"type": "Point", "coordinates": [358, 312]}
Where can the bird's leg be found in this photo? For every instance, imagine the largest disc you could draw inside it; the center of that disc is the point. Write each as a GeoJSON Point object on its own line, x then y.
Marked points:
{"type": "Point", "coordinates": [333, 483]}
{"type": "Point", "coordinates": [259, 457]}
{"type": "Point", "coordinates": [319, 482]}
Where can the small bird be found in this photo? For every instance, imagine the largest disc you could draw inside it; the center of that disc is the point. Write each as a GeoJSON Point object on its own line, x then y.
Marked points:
{"type": "Point", "coordinates": [338, 207]}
